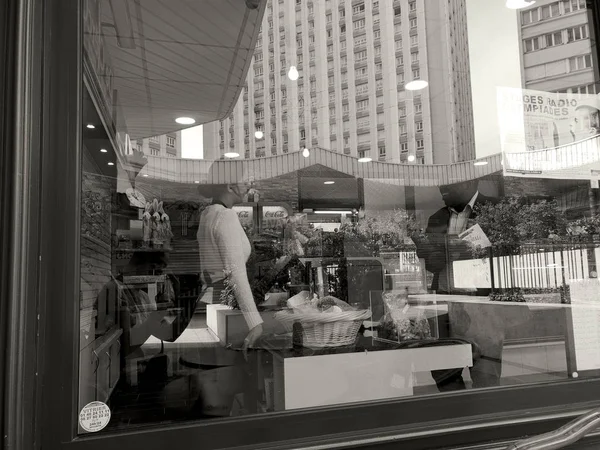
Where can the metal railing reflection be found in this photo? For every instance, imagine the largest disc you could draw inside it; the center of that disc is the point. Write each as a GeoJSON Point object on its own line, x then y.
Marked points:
{"type": "Point", "coordinates": [553, 159]}
{"type": "Point", "coordinates": [566, 435]}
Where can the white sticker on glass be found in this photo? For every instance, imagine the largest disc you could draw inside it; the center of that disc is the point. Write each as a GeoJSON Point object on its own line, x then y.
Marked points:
{"type": "Point", "coordinates": [94, 416]}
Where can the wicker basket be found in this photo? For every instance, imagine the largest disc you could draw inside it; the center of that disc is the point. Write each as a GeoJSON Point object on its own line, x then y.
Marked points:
{"type": "Point", "coordinates": [322, 330]}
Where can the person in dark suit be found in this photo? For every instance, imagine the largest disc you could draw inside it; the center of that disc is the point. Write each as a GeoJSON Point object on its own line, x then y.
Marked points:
{"type": "Point", "coordinates": [443, 246]}
{"type": "Point", "coordinates": [439, 250]}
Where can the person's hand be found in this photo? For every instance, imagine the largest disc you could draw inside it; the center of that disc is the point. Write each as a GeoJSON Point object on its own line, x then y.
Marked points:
{"type": "Point", "coordinates": [253, 336]}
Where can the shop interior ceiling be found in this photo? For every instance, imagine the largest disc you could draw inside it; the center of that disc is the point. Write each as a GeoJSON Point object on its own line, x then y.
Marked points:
{"type": "Point", "coordinates": [178, 58]}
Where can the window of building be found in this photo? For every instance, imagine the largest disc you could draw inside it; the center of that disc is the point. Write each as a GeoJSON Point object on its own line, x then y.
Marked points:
{"type": "Point", "coordinates": [402, 110]}
{"type": "Point", "coordinates": [346, 125]}
{"type": "Point", "coordinates": [330, 49]}
{"type": "Point", "coordinates": [379, 85]}
{"type": "Point", "coordinates": [414, 57]}
{"type": "Point", "coordinates": [399, 60]}
{"type": "Point", "coordinates": [417, 74]}
{"type": "Point", "coordinates": [573, 5]}
{"type": "Point", "coordinates": [380, 118]}
{"type": "Point", "coordinates": [577, 33]}
{"type": "Point", "coordinates": [398, 44]}
{"type": "Point", "coordinates": [342, 13]}
{"type": "Point", "coordinates": [378, 68]}
{"type": "Point", "coordinates": [376, 18]}
{"type": "Point", "coordinates": [344, 61]}
{"type": "Point", "coordinates": [270, 38]}
{"type": "Point", "coordinates": [345, 108]}
{"type": "Point", "coordinates": [331, 80]}
{"type": "Point", "coordinates": [364, 138]}
{"type": "Point", "coordinates": [418, 108]}
{"type": "Point", "coordinates": [362, 105]}
{"type": "Point", "coordinates": [271, 67]}
{"type": "Point", "coordinates": [412, 6]}
{"type": "Point", "coordinates": [270, 24]}
{"type": "Point", "coordinates": [311, 8]}
{"type": "Point", "coordinates": [376, 34]}
{"type": "Point", "coordinates": [420, 144]}
{"type": "Point", "coordinates": [283, 93]}
{"type": "Point", "coordinates": [532, 44]}
{"type": "Point", "coordinates": [170, 141]}
{"type": "Point", "coordinates": [397, 11]}
{"type": "Point", "coordinates": [344, 93]}
{"type": "Point", "coordinates": [375, 4]}
{"type": "Point", "coordinates": [380, 100]}
{"type": "Point", "coordinates": [311, 25]}
{"type": "Point", "coordinates": [363, 122]}
{"type": "Point", "coordinates": [312, 55]}
{"type": "Point", "coordinates": [313, 85]}
{"type": "Point", "coordinates": [397, 28]}
{"type": "Point", "coordinates": [553, 39]}
{"type": "Point", "coordinates": [580, 62]}
{"type": "Point", "coordinates": [154, 151]}
{"type": "Point", "coordinates": [360, 56]}
{"type": "Point", "coordinates": [258, 71]}
{"type": "Point", "coordinates": [259, 86]}
{"type": "Point", "coordinates": [328, 18]}
{"type": "Point", "coordinates": [259, 42]}
{"type": "Point", "coordinates": [358, 24]}
{"type": "Point", "coordinates": [346, 140]}
{"type": "Point", "coordinates": [329, 33]}
{"type": "Point", "coordinates": [332, 96]}
{"type": "Point", "coordinates": [343, 45]}
{"type": "Point", "coordinates": [272, 96]}
{"type": "Point", "coordinates": [311, 39]}
{"type": "Point", "coordinates": [414, 40]}
{"type": "Point", "coordinates": [419, 126]}
{"type": "Point", "coordinates": [302, 134]}
{"type": "Point", "coordinates": [402, 128]}
{"type": "Point", "coordinates": [404, 146]}
{"type": "Point", "coordinates": [357, 9]}
{"type": "Point", "coordinates": [344, 76]}
{"type": "Point", "coordinates": [260, 114]}
{"type": "Point", "coordinates": [342, 29]}
{"type": "Point", "coordinates": [382, 151]}
{"type": "Point", "coordinates": [377, 51]}
{"type": "Point", "coordinates": [362, 89]}
{"type": "Point", "coordinates": [413, 23]}
{"type": "Point", "coordinates": [362, 153]}
{"type": "Point", "coordinates": [361, 73]}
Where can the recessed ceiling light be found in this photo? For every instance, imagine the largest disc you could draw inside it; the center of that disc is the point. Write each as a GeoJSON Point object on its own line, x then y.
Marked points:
{"type": "Point", "coordinates": [145, 175]}
{"type": "Point", "coordinates": [411, 158]}
{"type": "Point", "coordinates": [103, 150]}
{"type": "Point", "coordinates": [329, 182]}
{"type": "Point", "coordinates": [258, 134]}
{"type": "Point", "coordinates": [111, 163]}
{"type": "Point", "coordinates": [185, 120]}
{"type": "Point", "coordinates": [365, 159]}
{"type": "Point", "coordinates": [416, 85]}
{"type": "Point", "coordinates": [306, 153]}
{"type": "Point", "coordinates": [231, 154]}
{"type": "Point", "coordinates": [293, 73]}
{"type": "Point", "coordinates": [197, 182]}
{"type": "Point", "coordinates": [91, 126]}
{"type": "Point", "coordinates": [518, 4]}
{"type": "Point", "coordinates": [480, 163]}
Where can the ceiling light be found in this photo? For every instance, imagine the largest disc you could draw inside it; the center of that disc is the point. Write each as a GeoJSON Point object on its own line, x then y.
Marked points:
{"type": "Point", "coordinates": [329, 182]}
{"type": "Point", "coordinates": [91, 126]}
{"type": "Point", "coordinates": [145, 175]}
{"type": "Point", "coordinates": [518, 4]}
{"type": "Point", "coordinates": [365, 159]}
{"type": "Point", "coordinates": [197, 182]}
{"type": "Point", "coordinates": [258, 134]}
{"type": "Point", "coordinates": [411, 158]}
{"type": "Point", "coordinates": [231, 154]}
{"type": "Point", "coordinates": [185, 120]}
{"type": "Point", "coordinates": [480, 163]}
{"type": "Point", "coordinates": [111, 163]}
{"type": "Point", "coordinates": [306, 153]}
{"type": "Point", "coordinates": [416, 85]}
{"type": "Point", "coordinates": [293, 73]}
{"type": "Point", "coordinates": [103, 150]}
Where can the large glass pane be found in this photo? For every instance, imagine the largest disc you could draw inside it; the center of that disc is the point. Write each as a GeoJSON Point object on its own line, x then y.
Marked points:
{"type": "Point", "coordinates": [385, 199]}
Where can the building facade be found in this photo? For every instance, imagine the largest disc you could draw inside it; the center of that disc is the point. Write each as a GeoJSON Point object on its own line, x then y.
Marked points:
{"type": "Point", "coordinates": [354, 60]}
{"type": "Point", "coordinates": [168, 145]}
{"type": "Point", "coordinates": [556, 47]}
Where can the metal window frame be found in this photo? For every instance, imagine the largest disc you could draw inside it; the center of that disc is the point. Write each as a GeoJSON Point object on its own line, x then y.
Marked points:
{"type": "Point", "coordinates": [43, 384]}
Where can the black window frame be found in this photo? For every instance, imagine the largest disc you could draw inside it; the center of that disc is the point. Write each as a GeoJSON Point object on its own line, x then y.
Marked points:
{"type": "Point", "coordinates": [47, 392]}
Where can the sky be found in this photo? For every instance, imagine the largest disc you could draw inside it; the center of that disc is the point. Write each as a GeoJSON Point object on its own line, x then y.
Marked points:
{"type": "Point", "coordinates": [192, 143]}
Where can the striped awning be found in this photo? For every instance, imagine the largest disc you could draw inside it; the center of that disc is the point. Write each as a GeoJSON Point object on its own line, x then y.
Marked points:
{"type": "Point", "coordinates": [190, 171]}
